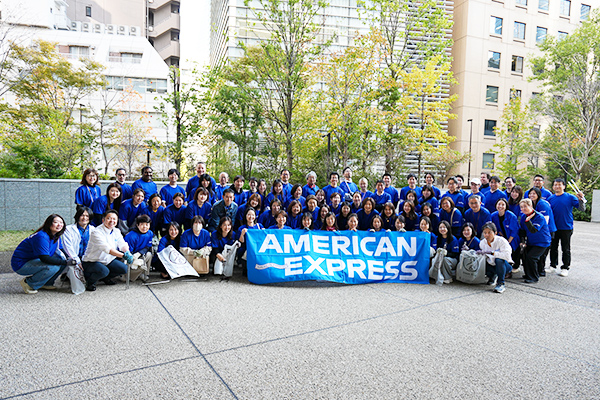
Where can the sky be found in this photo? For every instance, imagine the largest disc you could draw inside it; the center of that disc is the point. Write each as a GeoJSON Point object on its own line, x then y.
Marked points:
{"type": "Point", "coordinates": [195, 32]}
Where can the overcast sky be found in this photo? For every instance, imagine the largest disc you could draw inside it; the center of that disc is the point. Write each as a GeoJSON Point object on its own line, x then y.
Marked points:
{"type": "Point", "coordinates": [195, 31]}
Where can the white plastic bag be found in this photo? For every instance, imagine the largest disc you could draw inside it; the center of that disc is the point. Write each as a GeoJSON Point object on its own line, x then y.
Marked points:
{"type": "Point", "coordinates": [226, 268]}
{"type": "Point", "coordinates": [75, 274]}
{"type": "Point", "coordinates": [435, 271]}
{"type": "Point", "coordinates": [175, 263]}
{"type": "Point", "coordinates": [471, 268]}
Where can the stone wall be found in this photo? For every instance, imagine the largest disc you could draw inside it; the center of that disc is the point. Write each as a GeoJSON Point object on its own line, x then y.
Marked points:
{"type": "Point", "coordinates": [26, 203]}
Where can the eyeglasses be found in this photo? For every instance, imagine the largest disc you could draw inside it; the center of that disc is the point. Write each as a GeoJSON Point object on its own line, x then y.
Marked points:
{"type": "Point", "coordinates": [120, 174]}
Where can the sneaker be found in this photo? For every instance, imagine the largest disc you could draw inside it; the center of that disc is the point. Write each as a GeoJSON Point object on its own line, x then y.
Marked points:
{"type": "Point", "coordinates": [448, 280]}
{"type": "Point", "coordinates": [563, 272]}
{"type": "Point", "coordinates": [28, 289]}
{"type": "Point", "coordinates": [49, 287]}
{"type": "Point", "coordinates": [492, 281]}
{"type": "Point", "coordinates": [499, 289]}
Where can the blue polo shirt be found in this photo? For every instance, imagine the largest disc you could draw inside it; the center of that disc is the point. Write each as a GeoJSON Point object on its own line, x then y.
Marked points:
{"type": "Point", "coordinates": [562, 208]}
{"type": "Point", "coordinates": [149, 188]}
{"type": "Point", "coordinates": [36, 245]}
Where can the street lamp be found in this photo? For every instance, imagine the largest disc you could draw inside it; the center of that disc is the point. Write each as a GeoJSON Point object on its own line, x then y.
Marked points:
{"type": "Point", "coordinates": [470, 143]}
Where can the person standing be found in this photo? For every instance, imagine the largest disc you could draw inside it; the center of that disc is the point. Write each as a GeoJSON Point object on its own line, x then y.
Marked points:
{"type": "Point", "coordinates": [411, 179]}
{"type": "Point", "coordinates": [347, 185]}
{"type": "Point", "coordinates": [221, 186]}
{"type": "Point", "coordinates": [223, 208]}
{"type": "Point", "coordinates": [392, 191]}
{"type": "Point", "coordinates": [286, 186]}
{"type": "Point", "coordinates": [334, 179]}
{"type": "Point", "coordinates": [430, 180]}
{"type": "Point", "coordinates": [145, 183]}
{"type": "Point", "coordinates": [126, 191]}
{"type": "Point", "coordinates": [562, 204]}
{"type": "Point", "coordinates": [477, 215]}
{"type": "Point", "coordinates": [168, 191]}
{"type": "Point", "coordinates": [494, 194]}
{"type": "Point", "coordinates": [89, 191]}
{"type": "Point", "coordinates": [538, 182]}
{"type": "Point", "coordinates": [485, 182]}
{"type": "Point", "coordinates": [194, 181]}
{"type": "Point", "coordinates": [311, 185]}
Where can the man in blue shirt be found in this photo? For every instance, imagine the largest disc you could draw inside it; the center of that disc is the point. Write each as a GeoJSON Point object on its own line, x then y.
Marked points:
{"type": "Point", "coordinates": [222, 185]}
{"type": "Point", "coordinates": [194, 181]}
{"type": "Point", "coordinates": [494, 194]}
{"type": "Point", "coordinates": [538, 182]}
{"type": "Point", "coordinates": [126, 191]}
{"type": "Point", "coordinates": [311, 185]}
{"type": "Point", "coordinates": [485, 182]}
{"type": "Point", "coordinates": [453, 192]}
{"type": "Point", "coordinates": [389, 189]}
{"type": "Point", "coordinates": [477, 215]}
{"type": "Point", "coordinates": [347, 185]}
{"type": "Point", "coordinates": [146, 183]}
{"type": "Point", "coordinates": [562, 207]}
{"type": "Point", "coordinates": [334, 178]}
{"type": "Point", "coordinates": [168, 191]}
{"type": "Point", "coordinates": [286, 186]}
{"type": "Point", "coordinates": [412, 185]}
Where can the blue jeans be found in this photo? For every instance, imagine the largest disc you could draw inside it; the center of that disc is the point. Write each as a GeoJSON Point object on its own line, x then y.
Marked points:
{"type": "Point", "coordinates": [41, 274]}
{"type": "Point", "coordinates": [94, 271]}
{"type": "Point", "coordinates": [500, 269]}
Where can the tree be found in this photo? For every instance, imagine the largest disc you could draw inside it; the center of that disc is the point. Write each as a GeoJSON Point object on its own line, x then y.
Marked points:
{"type": "Point", "coordinates": [415, 34]}
{"type": "Point", "coordinates": [518, 141]}
{"type": "Point", "coordinates": [569, 72]}
{"type": "Point", "coordinates": [277, 66]}
{"type": "Point", "coordinates": [445, 160]}
{"type": "Point", "coordinates": [180, 108]}
{"type": "Point", "coordinates": [41, 122]}
{"type": "Point", "coordinates": [102, 127]}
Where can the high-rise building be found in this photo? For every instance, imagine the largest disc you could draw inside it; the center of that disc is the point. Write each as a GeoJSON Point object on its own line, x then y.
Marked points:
{"type": "Point", "coordinates": [493, 42]}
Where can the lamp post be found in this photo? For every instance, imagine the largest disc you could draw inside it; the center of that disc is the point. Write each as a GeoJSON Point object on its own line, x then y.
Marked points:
{"type": "Point", "coordinates": [81, 131]}
{"type": "Point", "coordinates": [470, 143]}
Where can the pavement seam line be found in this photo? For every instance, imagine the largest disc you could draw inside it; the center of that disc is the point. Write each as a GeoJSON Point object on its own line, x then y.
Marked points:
{"type": "Point", "coordinates": [100, 377]}
{"type": "Point", "coordinates": [333, 326]}
{"type": "Point", "coordinates": [193, 344]}
{"type": "Point", "coordinates": [532, 288]}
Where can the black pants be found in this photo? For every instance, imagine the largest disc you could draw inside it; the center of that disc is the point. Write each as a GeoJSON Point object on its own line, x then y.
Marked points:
{"type": "Point", "coordinates": [516, 257]}
{"type": "Point", "coordinates": [531, 259]}
{"type": "Point", "coordinates": [565, 240]}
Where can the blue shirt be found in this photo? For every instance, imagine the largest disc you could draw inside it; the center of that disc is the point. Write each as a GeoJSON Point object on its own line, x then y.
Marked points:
{"type": "Point", "coordinates": [381, 199]}
{"type": "Point", "coordinates": [99, 207]}
{"type": "Point", "coordinates": [194, 209]}
{"type": "Point", "coordinates": [562, 207]}
{"type": "Point", "coordinates": [167, 192]}
{"type": "Point", "coordinates": [329, 190]}
{"type": "Point", "coordinates": [481, 195]}
{"type": "Point", "coordinates": [165, 242]}
{"type": "Point", "coordinates": [267, 218]}
{"type": "Point", "coordinates": [458, 199]}
{"type": "Point", "coordinates": [219, 244]}
{"type": "Point", "coordinates": [541, 237]}
{"type": "Point", "coordinates": [271, 197]}
{"type": "Point", "coordinates": [435, 204]}
{"type": "Point", "coordinates": [492, 197]}
{"type": "Point", "coordinates": [86, 195]}
{"type": "Point", "coordinates": [149, 188]}
{"type": "Point", "coordinates": [411, 224]}
{"type": "Point", "coordinates": [240, 198]}
{"type": "Point", "coordinates": [544, 208]}
{"type": "Point", "coordinates": [138, 241]}
{"type": "Point", "coordinates": [509, 228]}
{"type": "Point", "coordinates": [348, 187]}
{"type": "Point", "coordinates": [192, 185]}
{"type": "Point", "coordinates": [126, 191]}
{"type": "Point", "coordinates": [478, 219]}
{"type": "Point", "coordinates": [301, 199]}
{"type": "Point", "coordinates": [364, 220]}
{"type": "Point", "coordinates": [156, 217]}
{"type": "Point", "coordinates": [406, 189]}
{"type": "Point", "coordinates": [307, 190]}
{"type": "Point", "coordinates": [128, 211]}
{"type": "Point", "coordinates": [188, 239]}
{"type": "Point", "coordinates": [545, 193]}
{"type": "Point", "coordinates": [237, 235]}
{"type": "Point", "coordinates": [455, 219]}
{"type": "Point", "coordinates": [219, 191]}
{"type": "Point", "coordinates": [172, 213]}
{"type": "Point", "coordinates": [287, 190]}
{"type": "Point", "coordinates": [36, 245]}
{"type": "Point", "coordinates": [472, 244]}
{"type": "Point", "coordinates": [453, 248]}
{"type": "Point", "coordinates": [393, 192]}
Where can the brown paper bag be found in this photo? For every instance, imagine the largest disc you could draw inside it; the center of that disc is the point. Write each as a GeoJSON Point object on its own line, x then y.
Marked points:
{"type": "Point", "coordinates": [200, 264]}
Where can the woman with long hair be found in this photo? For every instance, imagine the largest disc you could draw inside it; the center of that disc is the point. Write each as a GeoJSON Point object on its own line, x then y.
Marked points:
{"type": "Point", "coordinates": [110, 201]}
{"type": "Point", "coordinates": [89, 191]}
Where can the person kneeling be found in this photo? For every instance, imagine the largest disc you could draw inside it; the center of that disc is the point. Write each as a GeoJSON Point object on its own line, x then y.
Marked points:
{"type": "Point", "coordinates": [497, 252]}
{"type": "Point", "coordinates": [106, 249]}
{"type": "Point", "coordinates": [139, 240]}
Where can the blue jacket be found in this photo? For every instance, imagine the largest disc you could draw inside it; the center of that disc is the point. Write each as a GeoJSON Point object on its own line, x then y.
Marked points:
{"type": "Point", "coordinates": [188, 239]}
{"type": "Point", "coordinates": [139, 242]}
{"type": "Point", "coordinates": [511, 226]}
{"type": "Point", "coordinates": [536, 230]}
{"type": "Point", "coordinates": [477, 219]}
{"type": "Point", "coordinates": [149, 188]}
{"type": "Point", "coordinates": [218, 211]}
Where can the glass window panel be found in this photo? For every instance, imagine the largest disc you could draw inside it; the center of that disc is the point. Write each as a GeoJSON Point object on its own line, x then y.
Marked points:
{"type": "Point", "coordinates": [490, 124]}
{"type": "Point", "coordinates": [517, 64]}
{"type": "Point", "coordinates": [494, 60]}
{"type": "Point", "coordinates": [496, 26]}
{"type": "Point", "coordinates": [488, 161]}
{"type": "Point", "coordinates": [519, 30]}
{"type": "Point", "coordinates": [491, 94]}
{"type": "Point", "coordinates": [540, 34]}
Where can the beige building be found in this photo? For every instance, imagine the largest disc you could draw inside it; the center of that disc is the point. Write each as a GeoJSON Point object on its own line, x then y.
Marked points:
{"type": "Point", "coordinates": [493, 42]}
{"type": "Point", "coordinates": [158, 21]}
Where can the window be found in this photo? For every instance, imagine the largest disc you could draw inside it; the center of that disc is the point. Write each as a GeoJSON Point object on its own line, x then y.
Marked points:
{"type": "Point", "coordinates": [535, 131]}
{"type": "Point", "coordinates": [175, 8]}
{"type": "Point", "coordinates": [496, 26]}
{"type": "Point", "coordinates": [175, 36]}
{"type": "Point", "coordinates": [565, 8]}
{"type": "Point", "coordinates": [494, 60]}
{"type": "Point", "coordinates": [517, 64]}
{"type": "Point", "coordinates": [88, 11]}
{"type": "Point", "coordinates": [585, 12]}
{"type": "Point", "coordinates": [519, 31]}
{"type": "Point", "coordinates": [79, 51]}
{"type": "Point", "coordinates": [490, 124]}
{"type": "Point", "coordinates": [491, 94]}
{"type": "Point", "coordinates": [540, 34]}
{"type": "Point", "coordinates": [562, 35]}
{"type": "Point", "coordinates": [534, 94]}
{"type": "Point", "coordinates": [543, 5]}
{"type": "Point", "coordinates": [515, 93]}
{"type": "Point", "coordinates": [488, 161]}
{"type": "Point", "coordinates": [140, 85]}
{"type": "Point", "coordinates": [521, 2]}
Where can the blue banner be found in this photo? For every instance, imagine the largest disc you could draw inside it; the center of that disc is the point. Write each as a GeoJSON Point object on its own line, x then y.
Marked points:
{"type": "Point", "coordinates": [345, 257]}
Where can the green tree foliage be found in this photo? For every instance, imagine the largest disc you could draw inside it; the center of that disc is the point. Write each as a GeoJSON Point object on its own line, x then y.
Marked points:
{"type": "Point", "coordinates": [569, 71]}
{"type": "Point", "coordinates": [518, 141]}
{"type": "Point", "coordinates": [40, 128]}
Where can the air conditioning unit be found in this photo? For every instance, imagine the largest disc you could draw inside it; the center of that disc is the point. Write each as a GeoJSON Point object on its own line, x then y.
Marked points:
{"type": "Point", "coordinates": [111, 29]}
{"type": "Point", "coordinates": [134, 31]}
{"type": "Point", "coordinates": [98, 28]}
{"type": "Point", "coordinates": [76, 26]}
{"type": "Point", "coordinates": [85, 26]}
{"type": "Point", "coordinates": [123, 30]}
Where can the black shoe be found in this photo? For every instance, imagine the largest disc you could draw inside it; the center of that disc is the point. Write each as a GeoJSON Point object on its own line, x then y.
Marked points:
{"type": "Point", "coordinates": [91, 288]}
{"type": "Point", "coordinates": [530, 281]}
{"type": "Point", "coordinates": [109, 282]}
{"type": "Point", "coordinates": [543, 273]}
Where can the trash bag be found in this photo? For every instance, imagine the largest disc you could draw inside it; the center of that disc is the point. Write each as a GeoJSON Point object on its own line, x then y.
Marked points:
{"type": "Point", "coordinates": [75, 274]}
{"type": "Point", "coordinates": [471, 268]}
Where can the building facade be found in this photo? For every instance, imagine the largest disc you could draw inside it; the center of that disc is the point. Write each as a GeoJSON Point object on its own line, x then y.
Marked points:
{"type": "Point", "coordinates": [493, 43]}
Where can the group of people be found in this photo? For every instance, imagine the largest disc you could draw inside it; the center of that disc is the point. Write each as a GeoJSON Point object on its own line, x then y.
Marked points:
{"type": "Point", "coordinates": [124, 224]}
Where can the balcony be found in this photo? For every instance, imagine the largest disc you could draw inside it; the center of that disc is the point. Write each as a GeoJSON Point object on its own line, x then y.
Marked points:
{"type": "Point", "coordinates": [173, 22]}
{"type": "Point", "coordinates": [171, 50]}
{"type": "Point", "coordinates": [156, 4]}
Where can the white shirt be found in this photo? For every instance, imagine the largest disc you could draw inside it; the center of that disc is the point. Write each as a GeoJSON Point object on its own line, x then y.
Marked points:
{"type": "Point", "coordinates": [102, 240]}
{"type": "Point", "coordinates": [500, 248]}
{"type": "Point", "coordinates": [71, 240]}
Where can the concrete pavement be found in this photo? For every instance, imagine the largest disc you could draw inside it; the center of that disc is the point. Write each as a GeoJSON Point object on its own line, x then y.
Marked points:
{"type": "Point", "coordinates": [227, 340]}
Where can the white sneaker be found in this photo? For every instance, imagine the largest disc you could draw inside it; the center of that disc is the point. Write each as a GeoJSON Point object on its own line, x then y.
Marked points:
{"type": "Point", "coordinates": [28, 289]}
{"type": "Point", "coordinates": [563, 272]}
{"type": "Point", "coordinates": [448, 280]}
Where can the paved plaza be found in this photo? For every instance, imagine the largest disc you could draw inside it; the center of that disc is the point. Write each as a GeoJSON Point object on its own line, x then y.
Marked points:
{"type": "Point", "coordinates": [210, 339]}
